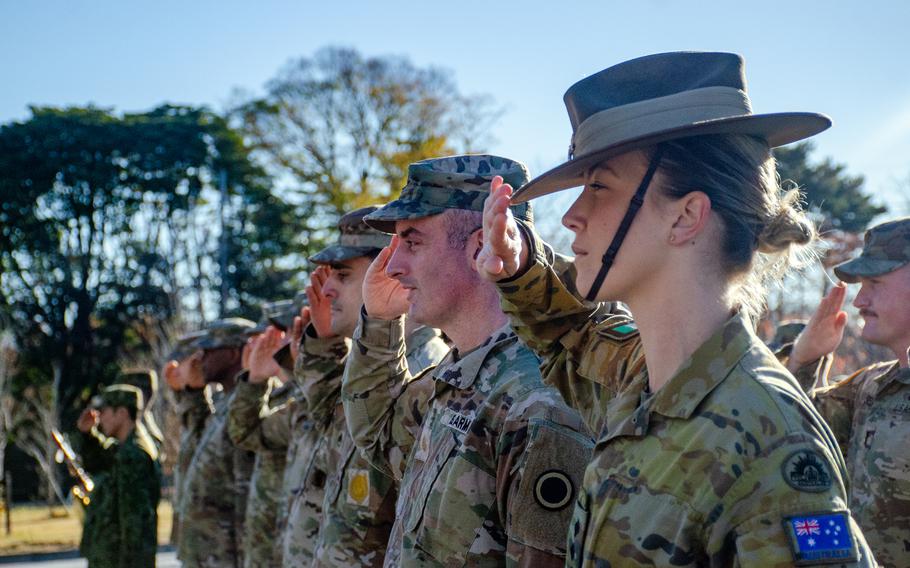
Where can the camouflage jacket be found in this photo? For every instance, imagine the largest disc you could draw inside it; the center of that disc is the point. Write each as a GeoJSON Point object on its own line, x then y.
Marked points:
{"type": "Point", "coordinates": [318, 367]}
{"type": "Point", "coordinates": [216, 487]}
{"type": "Point", "coordinates": [590, 352]}
{"type": "Point", "coordinates": [727, 465]}
{"type": "Point", "coordinates": [869, 413]}
{"type": "Point", "coordinates": [121, 521]}
{"type": "Point", "coordinates": [488, 474]}
{"type": "Point", "coordinates": [359, 505]}
{"type": "Point", "coordinates": [193, 408]}
{"type": "Point", "coordinates": [260, 422]}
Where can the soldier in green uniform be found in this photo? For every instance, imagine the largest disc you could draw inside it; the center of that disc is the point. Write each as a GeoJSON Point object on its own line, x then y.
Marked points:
{"type": "Point", "coordinates": [215, 490]}
{"type": "Point", "coordinates": [358, 502]}
{"type": "Point", "coordinates": [488, 456]}
{"type": "Point", "coordinates": [869, 411]}
{"type": "Point", "coordinates": [712, 455]}
{"type": "Point", "coordinates": [121, 520]}
{"type": "Point", "coordinates": [146, 380]}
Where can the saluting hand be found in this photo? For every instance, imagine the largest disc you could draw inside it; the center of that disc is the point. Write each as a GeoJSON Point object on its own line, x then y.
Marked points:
{"type": "Point", "coordinates": [383, 296]}
{"type": "Point", "coordinates": [87, 420]}
{"type": "Point", "coordinates": [262, 360]}
{"type": "Point", "coordinates": [300, 323]}
{"type": "Point", "coordinates": [194, 377]}
{"type": "Point", "coordinates": [172, 377]}
{"type": "Point", "coordinates": [824, 331]}
{"type": "Point", "coordinates": [320, 307]}
{"type": "Point", "coordinates": [503, 251]}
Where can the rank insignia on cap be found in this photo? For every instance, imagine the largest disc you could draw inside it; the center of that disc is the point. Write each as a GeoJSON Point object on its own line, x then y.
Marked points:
{"type": "Point", "coordinates": [822, 538]}
{"type": "Point", "coordinates": [553, 490]}
{"type": "Point", "coordinates": [806, 470]}
{"type": "Point", "coordinates": [359, 487]}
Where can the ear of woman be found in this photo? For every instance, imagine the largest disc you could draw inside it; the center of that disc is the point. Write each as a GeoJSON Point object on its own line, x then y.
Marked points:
{"type": "Point", "coordinates": [692, 211]}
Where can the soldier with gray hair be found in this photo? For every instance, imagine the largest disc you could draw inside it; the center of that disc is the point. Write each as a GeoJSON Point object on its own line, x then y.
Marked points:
{"type": "Point", "coordinates": [489, 458]}
{"type": "Point", "coordinates": [869, 411]}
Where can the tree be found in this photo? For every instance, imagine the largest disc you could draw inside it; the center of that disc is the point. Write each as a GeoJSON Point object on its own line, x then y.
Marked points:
{"type": "Point", "coordinates": [834, 197]}
{"type": "Point", "coordinates": [344, 128]}
{"type": "Point", "coordinates": [106, 220]}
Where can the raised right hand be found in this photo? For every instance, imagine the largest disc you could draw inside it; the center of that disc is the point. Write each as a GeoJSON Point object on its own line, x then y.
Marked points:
{"type": "Point", "coordinates": [503, 252]}
{"type": "Point", "coordinates": [172, 377]}
{"type": "Point", "coordinates": [320, 308]}
{"type": "Point", "coordinates": [383, 296]}
{"type": "Point", "coordinates": [300, 323]}
{"type": "Point", "coordinates": [262, 363]}
{"type": "Point", "coordinates": [824, 331]}
{"type": "Point", "coordinates": [87, 420]}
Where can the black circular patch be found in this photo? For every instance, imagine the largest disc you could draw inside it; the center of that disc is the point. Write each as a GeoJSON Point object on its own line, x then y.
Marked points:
{"type": "Point", "coordinates": [553, 490]}
{"type": "Point", "coordinates": [806, 470]}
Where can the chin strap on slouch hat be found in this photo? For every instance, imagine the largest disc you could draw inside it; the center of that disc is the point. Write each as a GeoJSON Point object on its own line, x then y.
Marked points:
{"type": "Point", "coordinates": [637, 200]}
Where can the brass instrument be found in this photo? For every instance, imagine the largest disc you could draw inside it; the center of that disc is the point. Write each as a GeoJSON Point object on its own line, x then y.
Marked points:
{"type": "Point", "coordinates": [83, 489]}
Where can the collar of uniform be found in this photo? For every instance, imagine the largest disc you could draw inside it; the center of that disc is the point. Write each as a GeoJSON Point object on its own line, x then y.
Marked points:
{"type": "Point", "coordinates": [628, 414]}
{"type": "Point", "coordinates": [706, 368]}
{"type": "Point", "coordinates": [893, 373]}
{"type": "Point", "coordinates": [420, 336]}
{"type": "Point", "coordinates": [460, 371]}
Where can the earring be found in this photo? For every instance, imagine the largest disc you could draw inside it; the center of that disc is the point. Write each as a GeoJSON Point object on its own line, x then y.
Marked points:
{"type": "Point", "coordinates": [672, 238]}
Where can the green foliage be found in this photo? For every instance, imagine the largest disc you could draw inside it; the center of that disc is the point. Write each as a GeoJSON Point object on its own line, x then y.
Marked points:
{"type": "Point", "coordinates": [108, 220]}
{"type": "Point", "coordinates": [835, 197]}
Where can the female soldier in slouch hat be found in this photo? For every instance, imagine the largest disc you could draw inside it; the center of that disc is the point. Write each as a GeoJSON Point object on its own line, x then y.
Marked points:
{"type": "Point", "coordinates": [712, 454]}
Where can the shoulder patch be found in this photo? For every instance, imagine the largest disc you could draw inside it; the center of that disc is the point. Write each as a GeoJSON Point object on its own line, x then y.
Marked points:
{"type": "Point", "coordinates": [807, 470]}
{"type": "Point", "coordinates": [553, 490]}
{"type": "Point", "coordinates": [822, 538]}
{"type": "Point", "coordinates": [619, 331]}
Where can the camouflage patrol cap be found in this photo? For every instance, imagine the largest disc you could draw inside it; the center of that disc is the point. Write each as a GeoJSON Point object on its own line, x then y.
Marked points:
{"type": "Point", "coordinates": [118, 395]}
{"type": "Point", "coordinates": [786, 332]}
{"type": "Point", "coordinates": [145, 380]}
{"type": "Point", "coordinates": [226, 333]}
{"type": "Point", "coordinates": [357, 239]}
{"type": "Point", "coordinates": [186, 345]}
{"type": "Point", "coordinates": [455, 182]}
{"type": "Point", "coordinates": [886, 247]}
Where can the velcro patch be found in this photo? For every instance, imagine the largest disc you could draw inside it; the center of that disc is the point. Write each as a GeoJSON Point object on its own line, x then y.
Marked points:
{"type": "Point", "coordinates": [359, 487]}
{"type": "Point", "coordinates": [553, 490]}
{"type": "Point", "coordinates": [621, 332]}
{"type": "Point", "coordinates": [820, 538]}
{"type": "Point", "coordinates": [456, 421]}
{"type": "Point", "coordinates": [807, 470]}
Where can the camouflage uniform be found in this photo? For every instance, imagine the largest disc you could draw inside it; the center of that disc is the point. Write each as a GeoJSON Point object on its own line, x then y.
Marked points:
{"type": "Point", "coordinates": [121, 521]}
{"type": "Point", "coordinates": [216, 486]}
{"type": "Point", "coordinates": [589, 352]}
{"type": "Point", "coordinates": [727, 464]}
{"type": "Point", "coordinates": [265, 430]}
{"type": "Point", "coordinates": [869, 413]}
{"type": "Point", "coordinates": [359, 502]}
{"type": "Point", "coordinates": [488, 456]}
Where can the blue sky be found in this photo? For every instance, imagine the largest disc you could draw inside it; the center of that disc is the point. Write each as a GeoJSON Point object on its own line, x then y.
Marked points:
{"type": "Point", "coordinates": [846, 59]}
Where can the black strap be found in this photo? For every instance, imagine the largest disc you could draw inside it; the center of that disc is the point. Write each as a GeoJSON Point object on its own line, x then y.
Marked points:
{"type": "Point", "coordinates": [637, 200]}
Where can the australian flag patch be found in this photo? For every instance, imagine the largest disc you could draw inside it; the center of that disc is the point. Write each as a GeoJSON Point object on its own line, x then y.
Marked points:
{"type": "Point", "coordinates": [821, 539]}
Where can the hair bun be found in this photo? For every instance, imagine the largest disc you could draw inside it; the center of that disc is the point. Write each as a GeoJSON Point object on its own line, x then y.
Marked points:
{"type": "Point", "coordinates": [788, 227]}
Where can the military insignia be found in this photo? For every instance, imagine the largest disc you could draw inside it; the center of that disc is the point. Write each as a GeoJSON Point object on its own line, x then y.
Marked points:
{"type": "Point", "coordinates": [622, 332]}
{"type": "Point", "coordinates": [553, 490]}
{"type": "Point", "coordinates": [806, 470]}
{"type": "Point", "coordinates": [820, 539]}
{"type": "Point", "coordinates": [359, 487]}
{"type": "Point", "coordinates": [456, 421]}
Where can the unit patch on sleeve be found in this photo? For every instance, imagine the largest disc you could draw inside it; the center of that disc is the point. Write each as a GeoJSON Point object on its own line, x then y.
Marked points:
{"type": "Point", "coordinates": [553, 490]}
{"type": "Point", "coordinates": [820, 539]}
{"type": "Point", "coordinates": [806, 470]}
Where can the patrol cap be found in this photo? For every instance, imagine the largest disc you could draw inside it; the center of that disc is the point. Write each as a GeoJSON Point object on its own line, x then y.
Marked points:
{"type": "Point", "coordinates": [186, 345]}
{"type": "Point", "coordinates": [145, 380]}
{"type": "Point", "coordinates": [886, 247]}
{"type": "Point", "coordinates": [786, 332]}
{"type": "Point", "coordinates": [226, 333]}
{"type": "Point", "coordinates": [455, 182]}
{"type": "Point", "coordinates": [118, 395]}
{"type": "Point", "coordinates": [357, 239]}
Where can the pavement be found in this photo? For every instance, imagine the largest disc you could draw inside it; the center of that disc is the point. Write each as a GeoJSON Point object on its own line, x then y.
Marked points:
{"type": "Point", "coordinates": [166, 558]}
